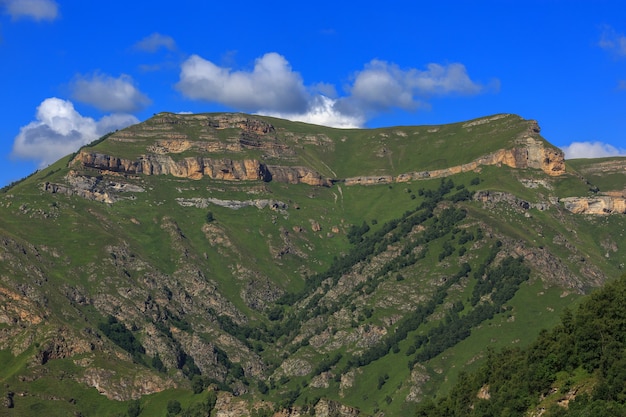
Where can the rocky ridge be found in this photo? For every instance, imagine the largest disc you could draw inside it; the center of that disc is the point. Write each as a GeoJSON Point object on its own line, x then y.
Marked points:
{"type": "Point", "coordinates": [190, 286]}
{"type": "Point", "coordinates": [163, 140]}
{"type": "Point", "coordinates": [531, 153]}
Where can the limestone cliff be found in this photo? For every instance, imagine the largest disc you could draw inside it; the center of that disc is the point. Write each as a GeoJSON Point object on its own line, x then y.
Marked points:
{"type": "Point", "coordinates": [297, 175]}
{"type": "Point", "coordinates": [166, 141]}
{"type": "Point", "coordinates": [191, 167]}
{"type": "Point", "coordinates": [595, 205]}
{"type": "Point", "coordinates": [533, 154]}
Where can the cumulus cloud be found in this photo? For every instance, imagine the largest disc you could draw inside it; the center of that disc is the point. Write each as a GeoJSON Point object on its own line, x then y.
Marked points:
{"type": "Point", "coordinates": [323, 111]}
{"type": "Point", "coordinates": [270, 86]}
{"type": "Point", "coordinates": [108, 93]}
{"type": "Point", "coordinates": [154, 42]}
{"type": "Point", "coordinates": [273, 88]}
{"type": "Point", "coordinates": [32, 9]}
{"type": "Point", "coordinates": [591, 150]}
{"type": "Point", "coordinates": [382, 84]}
{"type": "Point", "coordinates": [60, 130]}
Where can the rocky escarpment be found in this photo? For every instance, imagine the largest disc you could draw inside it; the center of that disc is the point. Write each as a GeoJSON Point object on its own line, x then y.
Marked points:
{"type": "Point", "coordinates": [494, 197]}
{"type": "Point", "coordinates": [611, 166]}
{"type": "Point", "coordinates": [205, 133]}
{"type": "Point", "coordinates": [529, 152]}
{"type": "Point", "coordinates": [198, 167]}
{"type": "Point", "coordinates": [232, 204]}
{"type": "Point", "coordinates": [92, 188]}
{"type": "Point", "coordinates": [193, 168]}
{"type": "Point", "coordinates": [595, 205]}
{"type": "Point", "coordinates": [187, 146]}
{"type": "Point", "coordinates": [217, 121]}
{"type": "Point", "coordinates": [533, 154]}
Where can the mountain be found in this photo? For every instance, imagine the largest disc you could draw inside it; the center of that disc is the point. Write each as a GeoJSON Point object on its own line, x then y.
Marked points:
{"type": "Point", "coordinates": [251, 265]}
{"type": "Point", "coordinates": [575, 369]}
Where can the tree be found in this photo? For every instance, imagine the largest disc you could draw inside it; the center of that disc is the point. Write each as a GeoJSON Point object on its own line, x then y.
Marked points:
{"type": "Point", "coordinates": [197, 384]}
{"type": "Point", "coordinates": [134, 408]}
{"type": "Point", "coordinates": [173, 407]}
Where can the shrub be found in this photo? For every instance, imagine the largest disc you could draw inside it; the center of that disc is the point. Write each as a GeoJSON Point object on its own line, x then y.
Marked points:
{"type": "Point", "coordinates": [173, 407]}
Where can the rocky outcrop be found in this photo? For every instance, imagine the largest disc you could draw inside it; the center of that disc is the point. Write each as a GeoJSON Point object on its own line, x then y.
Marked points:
{"type": "Point", "coordinates": [124, 387]}
{"type": "Point", "coordinates": [232, 204]}
{"type": "Point", "coordinates": [494, 197]}
{"type": "Point", "coordinates": [193, 168]}
{"type": "Point", "coordinates": [595, 205]}
{"type": "Point", "coordinates": [295, 367]}
{"type": "Point", "coordinates": [382, 179]}
{"type": "Point", "coordinates": [198, 167]}
{"type": "Point", "coordinates": [533, 154]}
{"type": "Point", "coordinates": [17, 309]}
{"type": "Point", "coordinates": [297, 175]}
{"type": "Point", "coordinates": [329, 408]}
{"type": "Point", "coordinates": [529, 151]}
{"type": "Point", "coordinates": [163, 147]}
{"type": "Point", "coordinates": [91, 188]}
{"type": "Point", "coordinates": [176, 133]}
{"type": "Point", "coordinates": [217, 121]}
{"type": "Point", "coordinates": [419, 377]}
{"type": "Point", "coordinates": [8, 402]}
{"type": "Point", "coordinates": [612, 166]}
{"type": "Point", "coordinates": [62, 344]}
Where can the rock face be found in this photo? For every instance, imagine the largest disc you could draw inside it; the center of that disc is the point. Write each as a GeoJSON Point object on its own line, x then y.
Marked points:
{"type": "Point", "coordinates": [232, 204]}
{"type": "Point", "coordinates": [124, 387]}
{"type": "Point", "coordinates": [91, 188]}
{"type": "Point", "coordinates": [533, 154]}
{"type": "Point", "coordinates": [297, 175]}
{"type": "Point", "coordinates": [192, 168]}
{"type": "Point", "coordinates": [613, 166]}
{"type": "Point", "coordinates": [595, 205]}
{"type": "Point", "coordinates": [198, 167]}
{"type": "Point", "coordinates": [327, 408]}
{"type": "Point", "coordinates": [493, 197]}
{"type": "Point", "coordinates": [168, 134]}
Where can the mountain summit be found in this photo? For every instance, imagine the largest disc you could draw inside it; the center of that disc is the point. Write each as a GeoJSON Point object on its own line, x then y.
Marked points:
{"type": "Point", "coordinates": [252, 265]}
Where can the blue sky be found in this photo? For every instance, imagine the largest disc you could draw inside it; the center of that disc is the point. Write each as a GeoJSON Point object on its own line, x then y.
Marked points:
{"type": "Point", "coordinates": [73, 70]}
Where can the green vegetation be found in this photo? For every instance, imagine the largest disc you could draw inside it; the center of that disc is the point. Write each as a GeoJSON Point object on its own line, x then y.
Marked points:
{"type": "Point", "coordinates": [121, 336]}
{"type": "Point", "coordinates": [376, 297]}
{"type": "Point", "coordinates": [580, 359]}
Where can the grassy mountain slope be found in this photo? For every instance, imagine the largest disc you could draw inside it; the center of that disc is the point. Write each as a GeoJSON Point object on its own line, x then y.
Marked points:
{"type": "Point", "coordinates": [240, 253]}
{"type": "Point", "coordinates": [575, 369]}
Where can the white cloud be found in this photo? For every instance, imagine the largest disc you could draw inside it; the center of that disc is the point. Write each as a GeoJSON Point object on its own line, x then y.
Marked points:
{"type": "Point", "coordinates": [322, 111]}
{"type": "Point", "coordinates": [613, 41]}
{"type": "Point", "coordinates": [273, 88]}
{"type": "Point", "coordinates": [270, 86]}
{"type": "Point", "coordinates": [109, 94]}
{"type": "Point", "coordinates": [153, 42]}
{"type": "Point", "coordinates": [591, 150]}
{"type": "Point", "coordinates": [34, 9]}
{"type": "Point", "coordinates": [382, 85]}
{"type": "Point", "coordinates": [60, 130]}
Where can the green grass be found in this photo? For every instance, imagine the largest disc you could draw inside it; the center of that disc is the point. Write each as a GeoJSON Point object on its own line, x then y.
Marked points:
{"type": "Point", "coordinates": [533, 308]}
{"type": "Point", "coordinates": [70, 242]}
